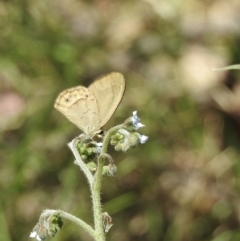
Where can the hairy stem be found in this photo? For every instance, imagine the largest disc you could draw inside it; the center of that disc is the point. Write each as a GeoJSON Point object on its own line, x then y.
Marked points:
{"type": "Point", "coordinates": [96, 199]}
{"type": "Point", "coordinates": [97, 184]}
{"type": "Point", "coordinates": [73, 146]}
{"type": "Point", "coordinates": [108, 135]}
{"type": "Point", "coordinates": [72, 218]}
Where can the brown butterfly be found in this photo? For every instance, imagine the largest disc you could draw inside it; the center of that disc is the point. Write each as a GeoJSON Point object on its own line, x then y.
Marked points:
{"type": "Point", "coordinates": [91, 108]}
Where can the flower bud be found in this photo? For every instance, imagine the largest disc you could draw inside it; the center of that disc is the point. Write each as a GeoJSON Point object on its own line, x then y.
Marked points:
{"type": "Point", "coordinates": [107, 222]}
{"type": "Point", "coordinates": [87, 148]}
{"type": "Point", "coordinates": [55, 224]}
{"type": "Point", "coordinates": [92, 166]}
{"type": "Point", "coordinates": [129, 140]}
{"type": "Point", "coordinates": [111, 170]}
{"type": "Point", "coordinates": [47, 226]}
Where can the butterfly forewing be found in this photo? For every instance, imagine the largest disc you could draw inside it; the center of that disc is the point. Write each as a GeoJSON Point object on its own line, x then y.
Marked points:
{"type": "Point", "coordinates": [108, 92]}
{"type": "Point", "coordinates": [79, 105]}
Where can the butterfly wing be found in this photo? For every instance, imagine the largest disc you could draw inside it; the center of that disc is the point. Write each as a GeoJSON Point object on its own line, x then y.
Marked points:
{"type": "Point", "coordinates": [108, 92]}
{"type": "Point", "coordinates": [79, 105]}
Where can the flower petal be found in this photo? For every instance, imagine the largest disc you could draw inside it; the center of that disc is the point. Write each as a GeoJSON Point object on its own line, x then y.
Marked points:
{"type": "Point", "coordinates": [39, 239]}
{"type": "Point", "coordinates": [143, 139]}
{"type": "Point", "coordinates": [136, 121]}
{"type": "Point", "coordinates": [33, 234]}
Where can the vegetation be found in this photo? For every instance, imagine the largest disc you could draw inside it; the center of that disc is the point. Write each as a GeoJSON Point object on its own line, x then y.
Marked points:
{"type": "Point", "coordinates": [183, 184]}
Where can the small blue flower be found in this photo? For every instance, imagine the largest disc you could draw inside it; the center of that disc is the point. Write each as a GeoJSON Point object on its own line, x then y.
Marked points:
{"type": "Point", "coordinates": [136, 121]}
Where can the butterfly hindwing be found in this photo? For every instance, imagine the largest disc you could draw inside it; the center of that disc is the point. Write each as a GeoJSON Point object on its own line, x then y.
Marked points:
{"type": "Point", "coordinates": [108, 92]}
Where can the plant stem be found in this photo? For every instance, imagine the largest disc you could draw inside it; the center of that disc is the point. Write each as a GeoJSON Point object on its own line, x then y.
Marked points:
{"type": "Point", "coordinates": [81, 223]}
{"type": "Point", "coordinates": [108, 135]}
{"type": "Point", "coordinates": [96, 200]}
{"type": "Point", "coordinates": [73, 146]}
{"type": "Point", "coordinates": [72, 218]}
{"type": "Point", "coordinates": [97, 184]}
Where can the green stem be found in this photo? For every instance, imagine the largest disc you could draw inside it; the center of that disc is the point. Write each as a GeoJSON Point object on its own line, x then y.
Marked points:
{"type": "Point", "coordinates": [108, 135]}
{"type": "Point", "coordinates": [80, 223]}
{"type": "Point", "coordinates": [72, 218]}
{"type": "Point", "coordinates": [96, 199]}
{"type": "Point", "coordinates": [97, 184]}
{"type": "Point", "coordinates": [73, 146]}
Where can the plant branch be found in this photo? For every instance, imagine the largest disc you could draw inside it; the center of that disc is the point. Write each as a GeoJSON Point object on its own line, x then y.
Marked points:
{"type": "Point", "coordinates": [108, 135]}
{"type": "Point", "coordinates": [72, 218]}
{"type": "Point", "coordinates": [96, 200]}
{"type": "Point", "coordinates": [97, 184]}
{"type": "Point", "coordinates": [73, 146]}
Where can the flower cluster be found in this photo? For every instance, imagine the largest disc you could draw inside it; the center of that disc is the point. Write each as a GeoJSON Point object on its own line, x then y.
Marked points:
{"type": "Point", "coordinates": [128, 137]}
{"type": "Point", "coordinates": [87, 148]}
{"type": "Point", "coordinates": [111, 168]}
{"type": "Point", "coordinates": [48, 225]}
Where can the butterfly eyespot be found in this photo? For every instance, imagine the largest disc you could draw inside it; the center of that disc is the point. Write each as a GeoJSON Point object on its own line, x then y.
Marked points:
{"type": "Point", "coordinates": [86, 96]}
{"type": "Point", "coordinates": [67, 100]}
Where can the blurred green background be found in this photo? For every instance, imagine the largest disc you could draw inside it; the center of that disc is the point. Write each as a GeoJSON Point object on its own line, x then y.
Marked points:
{"type": "Point", "coordinates": [184, 183]}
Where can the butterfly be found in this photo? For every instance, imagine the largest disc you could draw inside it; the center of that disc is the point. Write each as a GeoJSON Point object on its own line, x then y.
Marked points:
{"type": "Point", "coordinates": [91, 108]}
